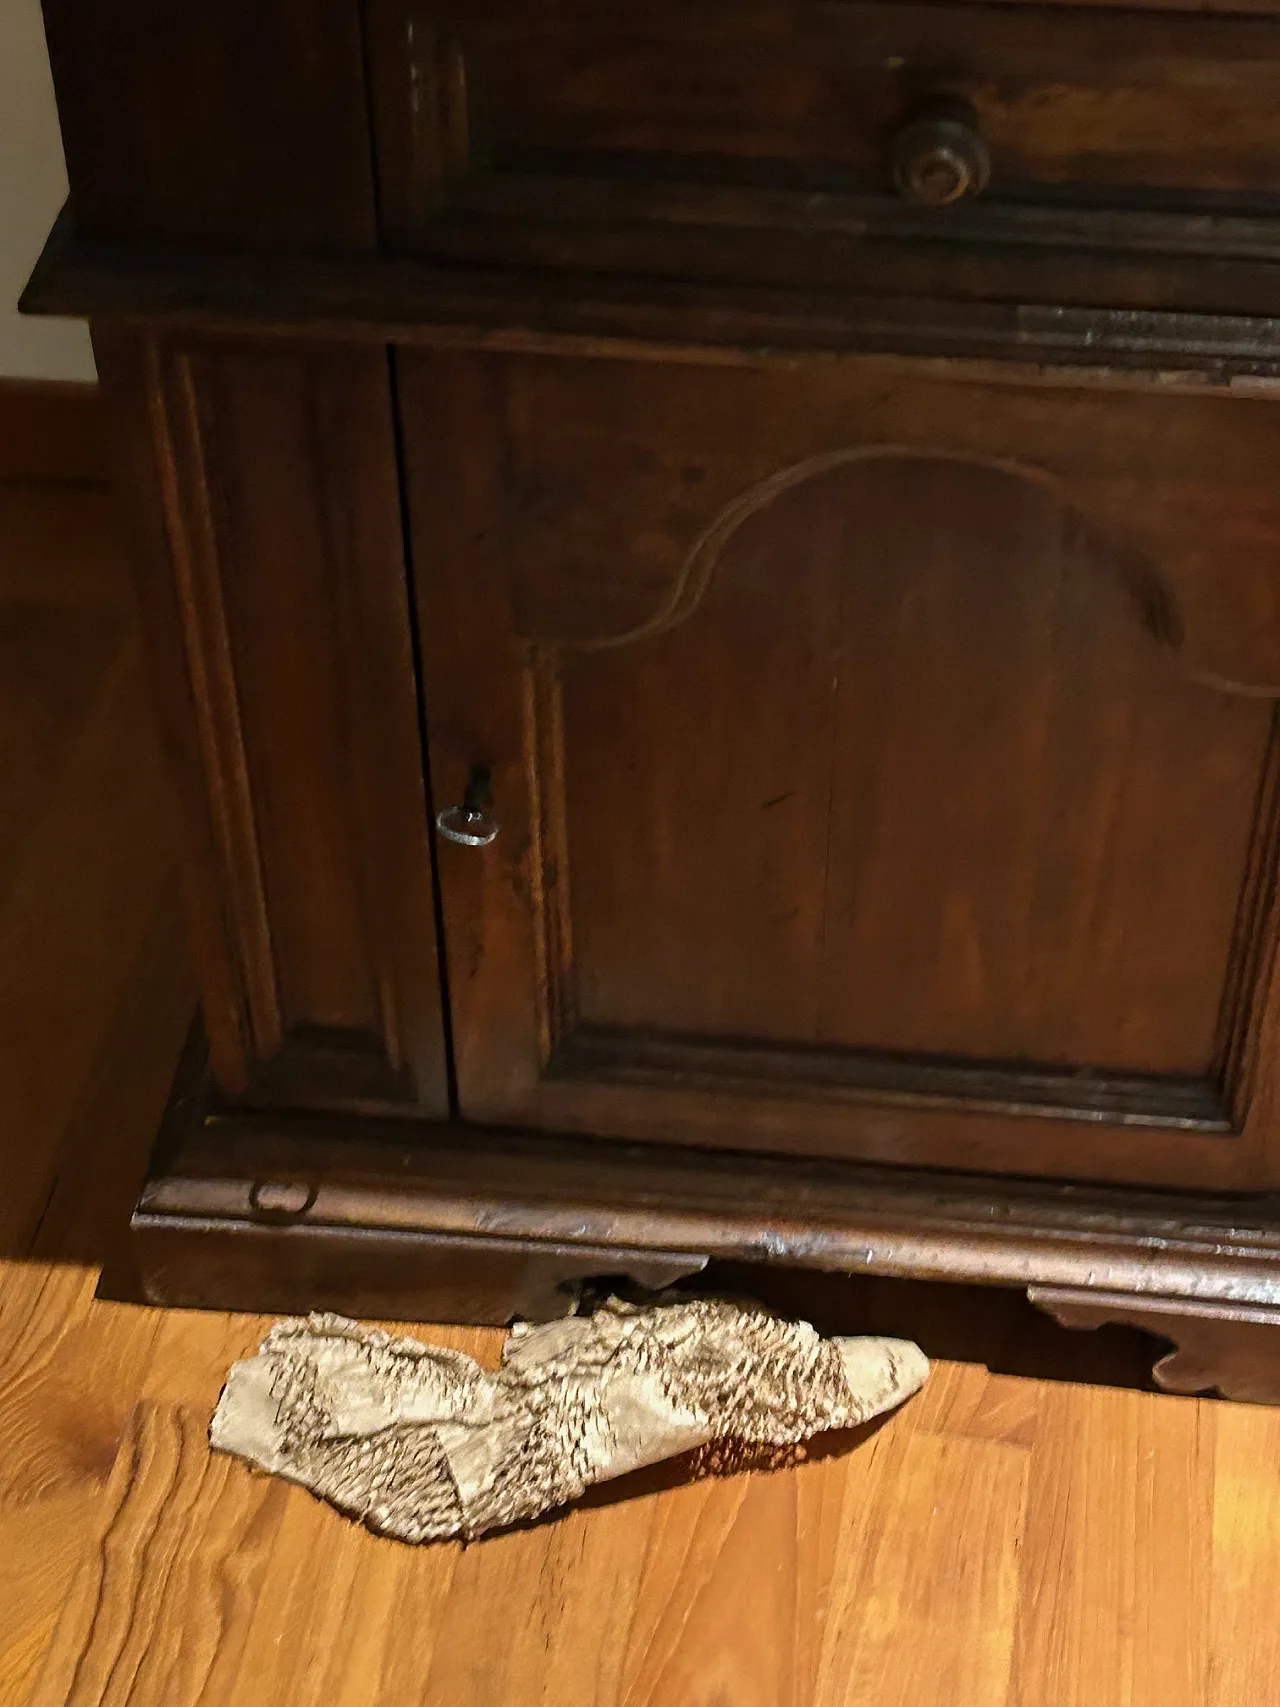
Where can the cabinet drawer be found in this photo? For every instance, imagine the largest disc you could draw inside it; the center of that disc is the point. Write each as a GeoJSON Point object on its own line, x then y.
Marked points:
{"type": "Point", "coordinates": [1081, 97]}
{"type": "Point", "coordinates": [557, 133]}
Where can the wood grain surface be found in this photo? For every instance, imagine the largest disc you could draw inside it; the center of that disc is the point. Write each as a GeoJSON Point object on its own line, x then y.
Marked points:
{"type": "Point", "coordinates": [243, 125]}
{"type": "Point", "coordinates": [694, 93]}
{"type": "Point", "coordinates": [920, 726]}
{"type": "Point", "coordinates": [1002, 1542]}
{"type": "Point", "coordinates": [296, 735]}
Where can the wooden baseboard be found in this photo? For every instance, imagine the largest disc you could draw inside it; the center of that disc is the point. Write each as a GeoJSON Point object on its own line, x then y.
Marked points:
{"type": "Point", "coordinates": [434, 1221]}
{"type": "Point", "coordinates": [52, 430]}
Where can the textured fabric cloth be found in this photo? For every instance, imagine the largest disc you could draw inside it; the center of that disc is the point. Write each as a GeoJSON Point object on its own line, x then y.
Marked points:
{"type": "Point", "coordinates": [423, 1443]}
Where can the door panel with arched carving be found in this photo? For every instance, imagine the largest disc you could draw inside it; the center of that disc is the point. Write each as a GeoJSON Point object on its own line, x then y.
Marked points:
{"type": "Point", "coordinates": [882, 770]}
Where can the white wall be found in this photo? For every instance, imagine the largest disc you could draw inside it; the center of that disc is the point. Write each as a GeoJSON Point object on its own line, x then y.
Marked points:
{"type": "Point", "coordinates": [33, 183]}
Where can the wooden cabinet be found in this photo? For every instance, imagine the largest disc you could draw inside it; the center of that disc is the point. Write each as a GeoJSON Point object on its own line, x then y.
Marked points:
{"type": "Point", "coordinates": [883, 764]}
{"type": "Point", "coordinates": [714, 579]}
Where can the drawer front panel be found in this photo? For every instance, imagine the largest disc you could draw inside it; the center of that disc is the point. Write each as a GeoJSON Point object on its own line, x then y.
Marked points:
{"type": "Point", "coordinates": [783, 146]}
{"type": "Point", "coordinates": [1081, 97]}
{"type": "Point", "coordinates": [497, 122]}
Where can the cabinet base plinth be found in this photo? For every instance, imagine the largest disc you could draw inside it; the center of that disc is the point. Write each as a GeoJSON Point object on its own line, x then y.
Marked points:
{"type": "Point", "coordinates": [1218, 1347]}
{"type": "Point", "coordinates": [439, 1221]}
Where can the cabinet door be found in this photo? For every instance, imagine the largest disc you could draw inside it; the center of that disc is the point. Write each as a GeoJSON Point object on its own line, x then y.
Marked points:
{"type": "Point", "coordinates": [884, 762]}
{"type": "Point", "coordinates": [265, 486]}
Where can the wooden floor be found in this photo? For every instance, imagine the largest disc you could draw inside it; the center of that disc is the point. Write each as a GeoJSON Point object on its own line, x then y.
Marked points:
{"type": "Point", "coordinates": [1004, 1540]}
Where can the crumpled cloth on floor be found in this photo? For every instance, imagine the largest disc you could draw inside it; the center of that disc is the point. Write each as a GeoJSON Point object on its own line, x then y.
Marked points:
{"type": "Point", "coordinates": [425, 1444]}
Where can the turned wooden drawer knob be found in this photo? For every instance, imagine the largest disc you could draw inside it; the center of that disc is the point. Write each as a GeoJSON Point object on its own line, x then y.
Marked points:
{"type": "Point", "coordinates": [939, 155]}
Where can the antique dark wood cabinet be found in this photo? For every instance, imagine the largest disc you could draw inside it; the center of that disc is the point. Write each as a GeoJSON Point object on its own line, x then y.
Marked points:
{"type": "Point", "coordinates": [713, 572]}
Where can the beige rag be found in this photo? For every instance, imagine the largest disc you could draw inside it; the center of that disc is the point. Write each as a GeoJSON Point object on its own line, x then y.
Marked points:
{"type": "Point", "coordinates": [425, 1444]}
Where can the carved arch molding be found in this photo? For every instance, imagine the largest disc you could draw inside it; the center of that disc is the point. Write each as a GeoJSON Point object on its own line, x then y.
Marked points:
{"type": "Point", "coordinates": [1126, 595]}
{"type": "Point", "coordinates": [1161, 568]}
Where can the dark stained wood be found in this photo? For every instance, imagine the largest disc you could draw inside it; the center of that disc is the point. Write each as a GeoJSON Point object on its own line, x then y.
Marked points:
{"type": "Point", "coordinates": [1264, 8]}
{"type": "Point", "coordinates": [1086, 97]}
{"type": "Point", "coordinates": [849, 743]}
{"type": "Point", "coordinates": [90, 937]}
{"type": "Point", "coordinates": [757, 143]}
{"type": "Point", "coordinates": [279, 610]}
{"type": "Point", "coordinates": [854, 797]}
{"type": "Point", "coordinates": [1096, 308]}
{"type": "Point", "coordinates": [421, 114]}
{"type": "Point", "coordinates": [186, 1262]}
{"type": "Point", "coordinates": [832, 235]}
{"type": "Point", "coordinates": [864, 615]}
{"type": "Point", "coordinates": [1226, 1347]}
{"type": "Point", "coordinates": [1068, 1536]}
{"type": "Point", "coordinates": [897, 1080]}
{"type": "Point", "coordinates": [388, 1184]}
{"type": "Point", "coordinates": [275, 1256]}
{"type": "Point", "coordinates": [832, 241]}
{"type": "Point", "coordinates": [242, 123]}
